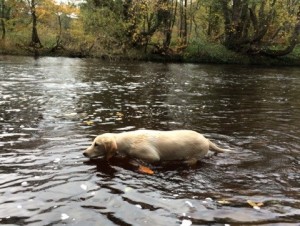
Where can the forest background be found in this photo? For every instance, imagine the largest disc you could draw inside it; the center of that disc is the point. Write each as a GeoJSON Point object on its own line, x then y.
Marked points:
{"type": "Point", "coordinates": [217, 31]}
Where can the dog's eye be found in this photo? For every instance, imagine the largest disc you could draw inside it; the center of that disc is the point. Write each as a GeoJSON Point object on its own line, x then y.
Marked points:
{"type": "Point", "coordinates": [96, 144]}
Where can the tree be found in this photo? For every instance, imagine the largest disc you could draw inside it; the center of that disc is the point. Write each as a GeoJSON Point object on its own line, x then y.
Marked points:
{"type": "Point", "coordinates": [249, 26]}
{"type": "Point", "coordinates": [293, 40]}
{"type": "Point", "coordinates": [5, 14]}
{"type": "Point", "coordinates": [130, 23]}
{"type": "Point", "coordinates": [144, 18]}
{"type": "Point", "coordinates": [35, 40]}
{"type": "Point", "coordinates": [157, 18]}
{"type": "Point", "coordinates": [3, 17]}
{"type": "Point", "coordinates": [102, 27]}
{"type": "Point", "coordinates": [183, 21]}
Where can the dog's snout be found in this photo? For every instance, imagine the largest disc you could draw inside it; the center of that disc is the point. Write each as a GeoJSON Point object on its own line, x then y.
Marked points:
{"type": "Point", "coordinates": [85, 154]}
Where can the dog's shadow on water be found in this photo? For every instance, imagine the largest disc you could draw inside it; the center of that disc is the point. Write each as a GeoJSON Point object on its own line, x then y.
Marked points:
{"type": "Point", "coordinates": [110, 168]}
{"type": "Point", "coordinates": [116, 164]}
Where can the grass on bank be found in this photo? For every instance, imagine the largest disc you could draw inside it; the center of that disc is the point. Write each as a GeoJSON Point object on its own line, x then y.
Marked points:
{"type": "Point", "coordinates": [85, 46]}
{"type": "Point", "coordinates": [217, 53]}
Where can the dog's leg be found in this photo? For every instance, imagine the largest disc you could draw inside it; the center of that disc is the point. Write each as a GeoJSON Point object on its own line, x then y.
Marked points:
{"type": "Point", "coordinates": [191, 161]}
{"type": "Point", "coordinates": [134, 162]}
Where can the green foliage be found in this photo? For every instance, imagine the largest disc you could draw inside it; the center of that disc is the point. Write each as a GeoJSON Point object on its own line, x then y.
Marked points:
{"type": "Point", "coordinates": [204, 51]}
{"type": "Point", "coordinates": [201, 31]}
{"type": "Point", "coordinates": [102, 24]}
{"type": "Point", "coordinates": [207, 52]}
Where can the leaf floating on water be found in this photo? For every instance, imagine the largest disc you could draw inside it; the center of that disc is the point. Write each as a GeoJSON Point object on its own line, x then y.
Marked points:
{"type": "Point", "coordinates": [146, 170]}
{"type": "Point", "coordinates": [186, 222]}
{"type": "Point", "coordinates": [88, 123]}
{"type": "Point", "coordinates": [255, 205]}
{"type": "Point", "coordinates": [119, 114]}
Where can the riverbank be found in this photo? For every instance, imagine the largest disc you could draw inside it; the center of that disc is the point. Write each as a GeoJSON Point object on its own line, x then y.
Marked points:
{"type": "Point", "coordinates": [194, 53]}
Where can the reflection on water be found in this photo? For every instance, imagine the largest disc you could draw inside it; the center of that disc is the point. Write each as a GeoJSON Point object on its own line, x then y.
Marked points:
{"type": "Point", "coordinates": [51, 108]}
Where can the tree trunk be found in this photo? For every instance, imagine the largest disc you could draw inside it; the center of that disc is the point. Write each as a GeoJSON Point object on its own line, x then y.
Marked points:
{"type": "Point", "coordinates": [293, 41]}
{"type": "Point", "coordinates": [35, 40]}
{"type": "Point", "coordinates": [185, 30]}
{"type": "Point", "coordinates": [3, 29]}
{"type": "Point", "coordinates": [3, 16]}
{"type": "Point", "coordinates": [209, 26]}
{"type": "Point", "coordinates": [168, 23]}
{"type": "Point", "coordinates": [235, 24]}
{"type": "Point", "coordinates": [183, 22]}
{"type": "Point", "coordinates": [58, 37]}
{"type": "Point", "coordinates": [240, 19]}
{"type": "Point", "coordinates": [126, 8]}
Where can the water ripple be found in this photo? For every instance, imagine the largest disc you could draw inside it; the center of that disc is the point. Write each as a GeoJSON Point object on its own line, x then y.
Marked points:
{"type": "Point", "coordinates": [52, 108]}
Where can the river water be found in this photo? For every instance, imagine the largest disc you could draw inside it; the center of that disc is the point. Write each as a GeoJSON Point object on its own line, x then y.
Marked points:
{"type": "Point", "coordinates": [52, 108]}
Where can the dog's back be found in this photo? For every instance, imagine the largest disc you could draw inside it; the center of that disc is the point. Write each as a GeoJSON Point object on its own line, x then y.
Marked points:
{"type": "Point", "coordinates": [169, 145]}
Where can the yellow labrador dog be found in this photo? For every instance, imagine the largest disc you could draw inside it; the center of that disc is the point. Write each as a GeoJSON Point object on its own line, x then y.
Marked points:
{"type": "Point", "coordinates": [153, 146]}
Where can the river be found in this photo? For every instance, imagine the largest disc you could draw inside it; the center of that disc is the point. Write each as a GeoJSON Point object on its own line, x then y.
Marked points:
{"type": "Point", "coordinates": [52, 108]}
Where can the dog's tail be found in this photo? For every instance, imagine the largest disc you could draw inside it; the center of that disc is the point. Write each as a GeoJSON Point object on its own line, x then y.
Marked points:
{"type": "Point", "coordinates": [215, 148]}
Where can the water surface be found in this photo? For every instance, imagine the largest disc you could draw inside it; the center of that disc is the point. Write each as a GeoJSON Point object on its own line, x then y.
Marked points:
{"type": "Point", "coordinates": [52, 108]}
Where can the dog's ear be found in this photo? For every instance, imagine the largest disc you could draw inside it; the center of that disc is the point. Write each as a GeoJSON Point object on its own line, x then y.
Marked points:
{"type": "Point", "coordinates": [110, 147]}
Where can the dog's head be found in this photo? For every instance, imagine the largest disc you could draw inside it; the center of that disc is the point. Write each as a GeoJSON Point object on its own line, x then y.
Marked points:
{"type": "Point", "coordinates": [103, 146]}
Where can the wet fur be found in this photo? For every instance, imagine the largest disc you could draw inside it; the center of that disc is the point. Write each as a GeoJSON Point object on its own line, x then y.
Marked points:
{"type": "Point", "coordinates": [153, 146]}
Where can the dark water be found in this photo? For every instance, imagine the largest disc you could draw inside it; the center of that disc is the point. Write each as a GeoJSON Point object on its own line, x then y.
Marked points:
{"type": "Point", "coordinates": [51, 108]}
